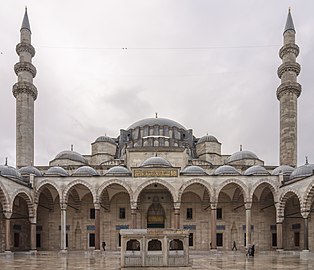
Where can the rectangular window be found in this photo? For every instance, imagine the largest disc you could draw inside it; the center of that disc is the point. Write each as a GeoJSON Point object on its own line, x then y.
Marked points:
{"type": "Point", "coordinates": [122, 213]}
{"type": "Point", "coordinates": [38, 240]}
{"type": "Point", "coordinates": [16, 239]}
{"type": "Point", "coordinates": [219, 239]}
{"type": "Point", "coordinates": [66, 240]}
{"type": "Point", "coordinates": [219, 213]}
{"type": "Point", "coordinates": [244, 242]}
{"type": "Point", "coordinates": [119, 240]}
{"type": "Point", "coordinates": [274, 239]}
{"type": "Point", "coordinates": [191, 240]}
{"type": "Point", "coordinates": [91, 240]}
{"type": "Point", "coordinates": [297, 239]}
{"type": "Point", "coordinates": [189, 213]}
{"type": "Point", "coordinates": [92, 213]}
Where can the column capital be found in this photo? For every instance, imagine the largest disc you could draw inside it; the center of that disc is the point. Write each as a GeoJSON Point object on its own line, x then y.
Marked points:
{"type": "Point", "coordinates": [176, 205]}
{"type": "Point", "coordinates": [133, 205]}
{"type": "Point", "coordinates": [96, 205]}
{"type": "Point", "coordinates": [305, 213]}
{"type": "Point", "coordinates": [33, 220]}
{"type": "Point", "coordinates": [7, 214]}
{"type": "Point", "coordinates": [248, 205]}
{"type": "Point", "coordinates": [213, 205]}
{"type": "Point", "coordinates": [63, 206]}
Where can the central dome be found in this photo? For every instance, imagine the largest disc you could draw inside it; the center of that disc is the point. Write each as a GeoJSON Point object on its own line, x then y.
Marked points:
{"type": "Point", "coordinates": [156, 122]}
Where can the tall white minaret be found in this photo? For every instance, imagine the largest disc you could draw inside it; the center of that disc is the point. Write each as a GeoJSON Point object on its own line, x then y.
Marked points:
{"type": "Point", "coordinates": [287, 94]}
{"type": "Point", "coordinates": [25, 93]}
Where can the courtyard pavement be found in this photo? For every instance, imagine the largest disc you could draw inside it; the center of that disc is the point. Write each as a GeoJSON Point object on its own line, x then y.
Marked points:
{"type": "Point", "coordinates": [199, 260]}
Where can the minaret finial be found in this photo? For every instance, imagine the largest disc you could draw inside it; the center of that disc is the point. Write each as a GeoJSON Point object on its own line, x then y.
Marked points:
{"type": "Point", "coordinates": [289, 23]}
{"type": "Point", "coordinates": [6, 161]}
{"type": "Point", "coordinates": [240, 147]}
{"type": "Point", "coordinates": [25, 23]}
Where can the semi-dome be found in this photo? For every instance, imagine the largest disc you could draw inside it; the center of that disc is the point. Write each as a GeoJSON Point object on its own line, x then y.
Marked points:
{"type": "Point", "coordinates": [71, 155]}
{"type": "Point", "coordinates": [30, 170]}
{"type": "Point", "coordinates": [156, 162]}
{"type": "Point", "coordinates": [283, 169]}
{"type": "Point", "coordinates": [242, 155]}
{"type": "Point", "coordinates": [86, 171]}
{"type": "Point", "coordinates": [207, 138]}
{"type": "Point", "coordinates": [193, 170]}
{"type": "Point", "coordinates": [118, 170]}
{"type": "Point", "coordinates": [156, 122]}
{"type": "Point", "coordinates": [226, 170]}
{"type": "Point", "coordinates": [256, 170]}
{"type": "Point", "coordinates": [10, 172]}
{"type": "Point", "coordinates": [56, 170]}
{"type": "Point", "coordinates": [105, 139]}
{"type": "Point", "coordinates": [303, 171]}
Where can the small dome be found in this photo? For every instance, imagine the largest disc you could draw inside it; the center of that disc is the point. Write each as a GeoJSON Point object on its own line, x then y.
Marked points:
{"type": "Point", "coordinates": [10, 172]}
{"type": "Point", "coordinates": [193, 170]}
{"type": "Point", "coordinates": [156, 122]}
{"type": "Point", "coordinates": [86, 171]}
{"type": "Point", "coordinates": [29, 170]}
{"type": "Point", "coordinates": [56, 170]}
{"type": "Point", "coordinates": [118, 170]}
{"type": "Point", "coordinates": [303, 171]}
{"type": "Point", "coordinates": [256, 170]}
{"type": "Point", "coordinates": [241, 155]}
{"type": "Point", "coordinates": [226, 170]}
{"type": "Point", "coordinates": [283, 169]}
{"type": "Point", "coordinates": [105, 139]}
{"type": "Point", "coordinates": [156, 162]}
{"type": "Point", "coordinates": [71, 155]}
{"type": "Point", "coordinates": [207, 138]}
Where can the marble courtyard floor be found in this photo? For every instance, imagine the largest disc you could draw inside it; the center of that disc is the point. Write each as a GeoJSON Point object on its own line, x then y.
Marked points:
{"type": "Point", "coordinates": [199, 260]}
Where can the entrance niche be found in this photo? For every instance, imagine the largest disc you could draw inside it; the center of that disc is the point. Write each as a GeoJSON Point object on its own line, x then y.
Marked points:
{"type": "Point", "coordinates": [155, 215]}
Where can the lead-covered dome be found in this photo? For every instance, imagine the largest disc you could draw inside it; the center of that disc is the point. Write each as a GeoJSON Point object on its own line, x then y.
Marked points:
{"type": "Point", "coordinates": [118, 171]}
{"type": "Point", "coordinates": [302, 171]}
{"type": "Point", "coordinates": [256, 170]}
{"type": "Point", "coordinates": [71, 155]}
{"type": "Point", "coordinates": [193, 170]}
{"type": "Point", "coordinates": [10, 172]}
{"type": "Point", "coordinates": [156, 122]}
{"type": "Point", "coordinates": [26, 171]}
{"type": "Point", "coordinates": [226, 170]}
{"type": "Point", "coordinates": [86, 171]}
{"type": "Point", "coordinates": [56, 170]}
{"type": "Point", "coordinates": [283, 169]}
{"type": "Point", "coordinates": [207, 138]}
{"type": "Point", "coordinates": [241, 155]}
{"type": "Point", "coordinates": [156, 162]}
{"type": "Point", "coordinates": [105, 139]}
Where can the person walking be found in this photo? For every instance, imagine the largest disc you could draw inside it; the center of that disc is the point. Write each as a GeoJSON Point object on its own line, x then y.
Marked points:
{"type": "Point", "coordinates": [234, 246]}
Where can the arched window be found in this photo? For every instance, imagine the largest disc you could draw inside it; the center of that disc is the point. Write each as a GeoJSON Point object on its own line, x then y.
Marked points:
{"type": "Point", "coordinates": [176, 244]}
{"type": "Point", "coordinates": [133, 245]}
{"type": "Point", "coordinates": [154, 245]}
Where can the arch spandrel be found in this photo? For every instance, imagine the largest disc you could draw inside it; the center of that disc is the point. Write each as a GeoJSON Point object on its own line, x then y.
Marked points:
{"type": "Point", "coordinates": [67, 189]}
{"type": "Point", "coordinates": [24, 193]}
{"type": "Point", "coordinates": [308, 197]}
{"type": "Point", "coordinates": [162, 182]}
{"type": "Point", "coordinates": [272, 186]}
{"type": "Point", "coordinates": [46, 183]}
{"type": "Point", "coordinates": [4, 198]}
{"type": "Point", "coordinates": [284, 196]}
{"type": "Point", "coordinates": [114, 182]}
{"type": "Point", "coordinates": [237, 182]}
{"type": "Point", "coordinates": [196, 181]}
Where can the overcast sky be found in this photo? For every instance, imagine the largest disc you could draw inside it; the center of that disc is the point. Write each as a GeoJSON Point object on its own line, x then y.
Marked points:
{"type": "Point", "coordinates": [209, 65]}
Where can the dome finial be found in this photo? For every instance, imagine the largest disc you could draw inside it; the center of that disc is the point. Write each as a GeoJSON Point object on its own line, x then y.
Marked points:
{"type": "Point", "coordinates": [71, 147]}
{"type": "Point", "coordinates": [6, 162]}
{"type": "Point", "coordinates": [306, 160]}
{"type": "Point", "coordinates": [156, 115]}
{"type": "Point", "coordinates": [240, 147]}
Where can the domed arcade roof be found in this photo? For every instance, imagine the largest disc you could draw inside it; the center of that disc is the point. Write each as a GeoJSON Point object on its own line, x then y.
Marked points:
{"type": "Point", "coordinates": [303, 171]}
{"type": "Point", "coordinates": [156, 122]}
{"type": "Point", "coordinates": [56, 170]}
{"type": "Point", "coordinates": [226, 170]}
{"type": "Point", "coordinates": [86, 171]}
{"type": "Point", "coordinates": [10, 172]}
{"type": "Point", "coordinates": [282, 169]}
{"type": "Point", "coordinates": [193, 170]}
{"type": "Point", "coordinates": [156, 162]}
{"type": "Point", "coordinates": [118, 170]}
{"type": "Point", "coordinates": [30, 170]}
{"type": "Point", "coordinates": [71, 155]}
{"type": "Point", "coordinates": [240, 155]}
{"type": "Point", "coordinates": [256, 170]}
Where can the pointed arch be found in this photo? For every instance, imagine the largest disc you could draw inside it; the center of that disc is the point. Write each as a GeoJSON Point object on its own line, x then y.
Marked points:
{"type": "Point", "coordinates": [274, 188]}
{"type": "Point", "coordinates": [237, 182]}
{"type": "Point", "coordinates": [200, 181]}
{"type": "Point", "coordinates": [308, 197]}
{"type": "Point", "coordinates": [67, 189]}
{"type": "Point", "coordinates": [164, 183]}
{"type": "Point", "coordinates": [4, 198]}
{"type": "Point", "coordinates": [43, 185]}
{"type": "Point", "coordinates": [112, 182]}
{"type": "Point", "coordinates": [288, 193]}
{"type": "Point", "coordinates": [24, 193]}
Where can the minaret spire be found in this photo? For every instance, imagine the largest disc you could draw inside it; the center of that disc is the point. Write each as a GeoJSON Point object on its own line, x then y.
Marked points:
{"type": "Point", "coordinates": [25, 94]}
{"type": "Point", "coordinates": [287, 94]}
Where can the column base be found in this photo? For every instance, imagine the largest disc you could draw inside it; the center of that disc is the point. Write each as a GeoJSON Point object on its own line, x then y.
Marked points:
{"type": "Point", "coordinates": [63, 251]}
{"type": "Point", "coordinates": [33, 252]}
{"type": "Point", "coordinates": [279, 249]}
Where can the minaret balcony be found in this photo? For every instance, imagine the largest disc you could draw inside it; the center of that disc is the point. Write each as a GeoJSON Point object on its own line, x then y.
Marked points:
{"type": "Point", "coordinates": [25, 47]}
{"type": "Point", "coordinates": [289, 48]}
{"type": "Point", "coordinates": [288, 66]}
{"type": "Point", "coordinates": [289, 87]}
{"type": "Point", "coordinates": [25, 87]}
{"type": "Point", "coordinates": [25, 66]}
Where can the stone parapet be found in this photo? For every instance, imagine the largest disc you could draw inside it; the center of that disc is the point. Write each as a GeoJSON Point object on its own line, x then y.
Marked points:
{"type": "Point", "coordinates": [288, 66]}
{"type": "Point", "coordinates": [25, 47]}
{"type": "Point", "coordinates": [25, 66]}
{"type": "Point", "coordinates": [25, 87]}
{"type": "Point", "coordinates": [289, 87]}
{"type": "Point", "coordinates": [289, 48]}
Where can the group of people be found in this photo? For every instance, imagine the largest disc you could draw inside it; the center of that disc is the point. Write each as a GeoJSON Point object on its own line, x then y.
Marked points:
{"type": "Point", "coordinates": [250, 250]}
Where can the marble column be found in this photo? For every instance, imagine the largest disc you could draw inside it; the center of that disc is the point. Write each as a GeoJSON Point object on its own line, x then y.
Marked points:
{"type": "Point", "coordinates": [248, 222]}
{"type": "Point", "coordinates": [97, 227]}
{"type": "Point", "coordinates": [63, 207]}
{"type": "Point", "coordinates": [7, 216]}
{"type": "Point", "coordinates": [177, 218]}
{"type": "Point", "coordinates": [279, 235]}
{"type": "Point", "coordinates": [33, 233]}
{"type": "Point", "coordinates": [213, 226]}
{"type": "Point", "coordinates": [306, 233]}
{"type": "Point", "coordinates": [134, 218]}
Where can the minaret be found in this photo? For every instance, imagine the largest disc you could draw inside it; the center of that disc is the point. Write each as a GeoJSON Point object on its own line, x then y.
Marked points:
{"type": "Point", "coordinates": [25, 93]}
{"type": "Point", "coordinates": [287, 94]}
